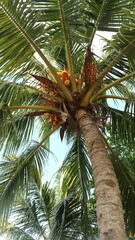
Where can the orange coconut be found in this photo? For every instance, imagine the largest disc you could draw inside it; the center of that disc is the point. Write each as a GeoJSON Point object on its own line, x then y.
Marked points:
{"type": "Point", "coordinates": [67, 83]}
{"type": "Point", "coordinates": [64, 75]}
{"type": "Point", "coordinates": [76, 80]}
{"type": "Point", "coordinates": [46, 115]}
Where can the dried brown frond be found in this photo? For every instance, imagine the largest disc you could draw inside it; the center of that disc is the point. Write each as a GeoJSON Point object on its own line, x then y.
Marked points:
{"type": "Point", "coordinates": [46, 101]}
{"type": "Point", "coordinates": [34, 114]}
{"type": "Point", "coordinates": [49, 86]}
{"type": "Point", "coordinates": [90, 70]}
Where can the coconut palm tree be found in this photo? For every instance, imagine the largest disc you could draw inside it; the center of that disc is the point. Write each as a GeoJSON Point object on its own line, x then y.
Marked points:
{"type": "Point", "coordinates": [57, 78]}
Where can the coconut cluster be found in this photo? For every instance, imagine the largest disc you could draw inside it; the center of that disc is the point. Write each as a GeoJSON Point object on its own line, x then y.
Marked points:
{"type": "Point", "coordinates": [65, 77]}
{"type": "Point", "coordinates": [54, 118]}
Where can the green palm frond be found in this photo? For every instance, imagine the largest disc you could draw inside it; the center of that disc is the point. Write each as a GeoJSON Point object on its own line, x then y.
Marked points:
{"type": "Point", "coordinates": [49, 201]}
{"type": "Point", "coordinates": [73, 14]}
{"type": "Point", "coordinates": [67, 45]}
{"type": "Point", "coordinates": [122, 123]}
{"type": "Point", "coordinates": [124, 89]}
{"type": "Point", "coordinates": [123, 162]}
{"type": "Point", "coordinates": [83, 20]}
{"type": "Point", "coordinates": [18, 134]}
{"type": "Point", "coordinates": [15, 49]}
{"type": "Point", "coordinates": [15, 233]}
{"type": "Point", "coordinates": [66, 219]}
{"type": "Point", "coordinates": [124, 37]}
{"type": "Point", "coordinates": [16, 129]}
{"type": "Point", "coordinates": [76, 175]}
{"type": "Point", "coordinates": [17, 125]}
{"type": "Point", "coordinates": [16, 173]}
{"type": "Point", "coordinates": [76, 171]}
{"type": "Point", "coordinates": [85, 16]}
{"type": "Point", "coordinates": [44, 127]}
{"type": "Point", "coordinates": [116, 58]}
{"type": "Point", "coordinates": [32, 213]}
{"type": "Point", "coordinates": [118, 71]}
{"type": "Point", "coordinates": [113, 85]}
{"type": "Point", "coordinates": [117, 16]}
{"type": "Point", "coordinates": [17, 94]}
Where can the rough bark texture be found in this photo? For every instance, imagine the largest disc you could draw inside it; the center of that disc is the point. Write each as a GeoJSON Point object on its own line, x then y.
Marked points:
{"type": "Point", "coordinates": [108, 201]}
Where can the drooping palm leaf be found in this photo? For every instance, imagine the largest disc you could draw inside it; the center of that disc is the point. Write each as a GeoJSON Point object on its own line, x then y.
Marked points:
{"type": "Point", "coordinates": [122, 156]}
{"type": "Point", "coordinates": [13, 94]}
{"type": "Point", "coordinates": [16, 94]}
{"type": "Point", "coordinates": [122, 124]}
{"type": "Point", "coordinates": [32, 212]}
{"type": "Point", "coordinates": [66, 219]}
{"type": "Point", "coordinates": [18, 124]}
{"type": "Point", "coordinates": [76, 175]}
{"type": "Point", "coordinates": [17, 52]}
{"type": "Point", "coordinates": [15, 233]}
{"type": "Point", "coordinates": [18, 134]}
{"type": "Point", "coordinates": [123, 38]}
{"type": "Point", "coordinates": [30, 216]}
{"type": "Point", "coordinates": [107, 16]}
{"type": "Point", "coordinates": [49, 201]}
{"type": "Point", "coordinates": [16, 174]}
{"type": "Point", "coordinates": [125, 35]}
{"type": "Point", "coordinates": [78, 171]}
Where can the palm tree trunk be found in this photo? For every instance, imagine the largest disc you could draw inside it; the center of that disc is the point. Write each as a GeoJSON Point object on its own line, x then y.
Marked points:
{"type": "Point", "coordinates": [108, 202]}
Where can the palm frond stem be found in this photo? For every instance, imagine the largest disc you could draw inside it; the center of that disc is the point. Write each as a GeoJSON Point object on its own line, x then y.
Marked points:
{"type": "Point", "coordinates": [40, 91]}
{"type": "Point", "coordinates": [108, 86]}
{"type": "Point", "coordinates": [46, 108]}
{"type": "Point", "coordinates": [97, 22]}
{"type": "Point", "coordinates": [115, 97]}
{"type": "Point", "coordinates": [67, 47]}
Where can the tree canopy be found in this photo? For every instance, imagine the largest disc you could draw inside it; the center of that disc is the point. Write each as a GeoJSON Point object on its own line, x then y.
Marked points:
{"type": "Point", "coordinates": [49, 74]}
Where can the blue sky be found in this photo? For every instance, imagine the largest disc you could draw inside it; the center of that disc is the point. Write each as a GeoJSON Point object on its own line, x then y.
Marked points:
{"type": "Point", "coordinates": [59, 150]}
